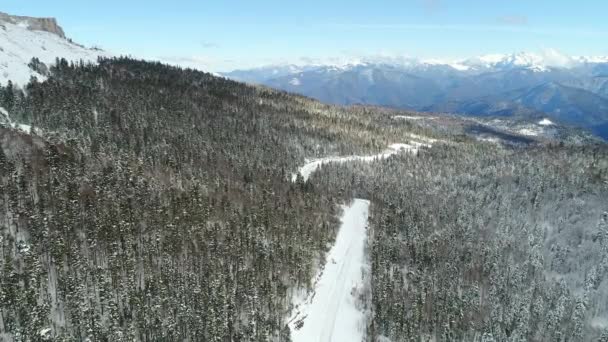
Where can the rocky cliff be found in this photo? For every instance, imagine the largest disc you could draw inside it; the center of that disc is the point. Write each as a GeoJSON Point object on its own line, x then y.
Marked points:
{"type": "Point", "coordinates": [35, 24]}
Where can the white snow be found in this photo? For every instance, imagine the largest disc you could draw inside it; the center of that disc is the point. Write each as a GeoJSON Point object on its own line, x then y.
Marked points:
{"type": "Point", "coordinates": [408, 117]}
{"type": "Point", "coordinates": [530, 131]}
{"type": "Point", "coordinates": [591, 59]}
{"type": "Point", "coordinates": [295, 82]}
{"type": "Point", "coordinates": [455, 65]}
{"type": "Point", "coordinates": [329, 313]}
{"type": "Point", "coordinates": [427, 141]}
{"type": "Point", "coordinates": [312, 165]}
{"type": "Point", "coordinates": [545, 122]}
{"type": "Point", "coordinates": [22, 127]}
{"type": "Point", "coordinates": [600, 322]}
{"type": "Point", "coordinates": [493, 140]}
{"type": "Point", "coordinates": [45, 333]}
{"type": "Point", "coordinates": [18, 45]}
{"type": "Point", "coordinates": [540, 61]}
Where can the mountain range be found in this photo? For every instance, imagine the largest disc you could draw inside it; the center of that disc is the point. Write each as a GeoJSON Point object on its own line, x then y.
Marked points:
{"type": "Point", "coordinates": [568, 90]}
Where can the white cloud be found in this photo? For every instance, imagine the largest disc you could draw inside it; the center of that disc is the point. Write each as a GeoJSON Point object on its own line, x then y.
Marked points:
{"type": "Point", "coordinates": [554, 58]}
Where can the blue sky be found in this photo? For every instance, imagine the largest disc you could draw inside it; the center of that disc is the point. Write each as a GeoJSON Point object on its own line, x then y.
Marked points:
{"type": "Point", "coordinates": [228, 34]}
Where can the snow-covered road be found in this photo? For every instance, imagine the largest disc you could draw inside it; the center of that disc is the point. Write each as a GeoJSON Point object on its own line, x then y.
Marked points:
{"type": "Point", "coordinates": [329, 313]}
{"type": "Point", "coordinates": [312, 165]}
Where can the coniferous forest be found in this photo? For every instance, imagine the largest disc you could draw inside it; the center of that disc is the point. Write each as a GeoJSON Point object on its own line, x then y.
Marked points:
{"type": "Point", "coordinates": [154, 203]}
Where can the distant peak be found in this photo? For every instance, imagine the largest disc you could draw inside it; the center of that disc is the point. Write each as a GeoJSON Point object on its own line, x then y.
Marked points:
{"type": "Point", "coordinates": [538, 62]}
{"type": "Point", "coordinates": [35, 24]}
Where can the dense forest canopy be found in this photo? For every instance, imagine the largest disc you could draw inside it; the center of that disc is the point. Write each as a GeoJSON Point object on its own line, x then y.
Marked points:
{"type": "Point", "coordinates": [155, 203]}
{"type": "Point", "coordinates": [474, 242]}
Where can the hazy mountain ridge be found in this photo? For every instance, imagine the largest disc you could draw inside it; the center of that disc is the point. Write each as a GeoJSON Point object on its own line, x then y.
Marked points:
{"type": "Point", "coordinates": [504, 85]}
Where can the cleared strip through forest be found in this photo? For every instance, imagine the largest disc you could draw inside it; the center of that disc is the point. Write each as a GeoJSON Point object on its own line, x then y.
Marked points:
{"type": "Point", "coordinates": [329, 313]}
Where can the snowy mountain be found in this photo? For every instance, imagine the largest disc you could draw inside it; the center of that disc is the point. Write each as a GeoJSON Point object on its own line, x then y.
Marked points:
{"type": "Point", "coordinates": [23, 38]}
{"type": "Point", "coordinates": [569, 89]}
{"type": "Point", "coordinates": [544, 61]}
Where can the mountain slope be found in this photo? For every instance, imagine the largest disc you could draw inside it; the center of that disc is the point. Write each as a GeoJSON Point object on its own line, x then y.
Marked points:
{"type": "Point", "coordinates": [567, 105]}
{"type": "Point", "coordinates": [496, 85]}
{"type": "Point", "coordinates": [374, 85]}
{"type": "Point", "coordinates": [23, 38]}
{"type": "Point", "coordinates": [156, 203]}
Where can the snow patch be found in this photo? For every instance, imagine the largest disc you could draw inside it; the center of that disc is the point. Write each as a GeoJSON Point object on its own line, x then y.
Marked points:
{"type": "Point", "coordinates": [427, 141]}
{"type": "Point", "coordinates": [600, 322]}
{"type": "Point", "coordinates": [454, 65]}
{"type": "Point", "coordinates": [21, 127]}
{"type": "Point", "coordinates": [329, 313]}
{"type": "Point", "coordinates": [408, 117]}
{"type": "Point", "coordinates": [546, 122]}
{"type": "Point", "coordinates": [542, 61]}
{"type": "Point", "coordinates": [489, 139]}
{"type": "Point", "coordinates": [295, 82]}
{"type": "Point", "coordinates": [529, 131]}
{"type": "Point", "coordinates": [45, 333]}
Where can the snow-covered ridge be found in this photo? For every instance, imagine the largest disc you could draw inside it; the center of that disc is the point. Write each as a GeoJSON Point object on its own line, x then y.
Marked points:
{"type": "Point", "coordinates": [541, 61]}
{"type": "Point", "coordinates": [19, 44]}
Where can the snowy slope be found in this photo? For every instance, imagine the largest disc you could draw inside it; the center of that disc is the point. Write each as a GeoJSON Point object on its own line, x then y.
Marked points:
{"type": "Point", "coordinates": [18, 44]}
{"type": "Point", "coordinates": [329, 313]}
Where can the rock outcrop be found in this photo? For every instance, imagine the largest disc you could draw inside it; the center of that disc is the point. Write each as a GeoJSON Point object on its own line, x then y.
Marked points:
{"type": "Point", "coordinates": [34, 24]}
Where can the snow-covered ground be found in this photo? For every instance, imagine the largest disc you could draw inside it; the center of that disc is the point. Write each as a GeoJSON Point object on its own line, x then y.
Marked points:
{"type": "Point", "coordinates": [531, 131]}
{"type": "Point", "coordinates": [18, 45]}
{"type": "Point", "coordinates": [5, 119]}
{"type": "Point", "coordinates": [489, 139]}
{"type": "Point", "coordinates": [329, 313]}
{"type": "Point", "coordinates": [544, 128]}
{"type": "Point", "coordinates": [410, 117]}
{"type": "Point", "coordinates": [312, 165]}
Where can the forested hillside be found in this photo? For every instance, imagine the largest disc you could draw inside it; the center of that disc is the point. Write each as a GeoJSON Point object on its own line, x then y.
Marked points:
{"type": "Point", "coordinates": [473, 242]}
{"type": "Point", "coordinates": [152, 203]}
{"type": "Point", "coordinates": [155, 204]}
